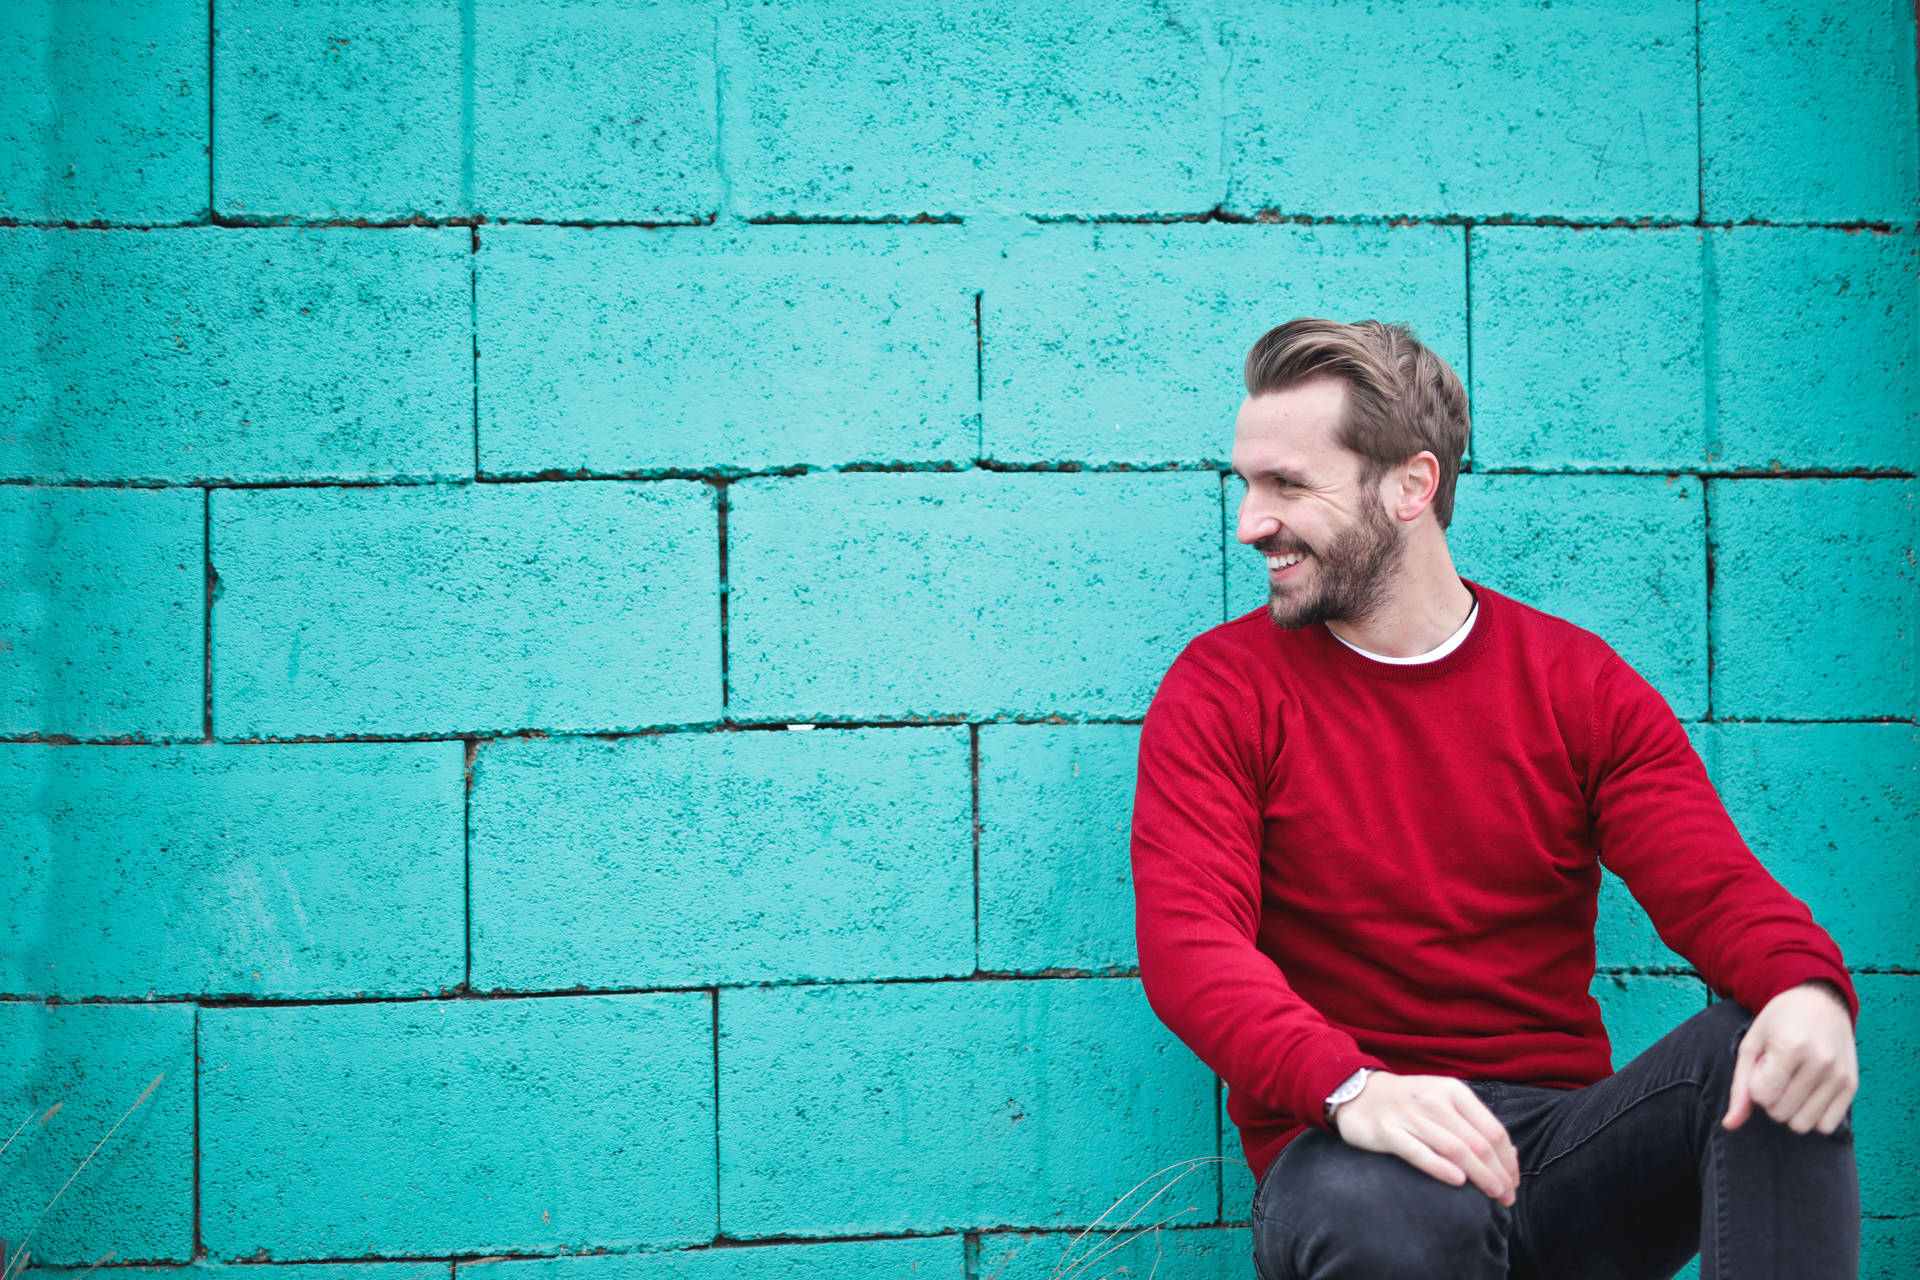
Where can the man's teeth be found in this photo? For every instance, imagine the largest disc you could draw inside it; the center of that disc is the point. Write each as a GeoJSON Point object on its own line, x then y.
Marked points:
{"type": "Point", "coordinates": [1281, 562]}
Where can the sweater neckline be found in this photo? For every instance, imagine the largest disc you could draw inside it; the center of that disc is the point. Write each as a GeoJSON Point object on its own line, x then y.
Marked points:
{"type": "Point", "coordinates": [1489, 618]}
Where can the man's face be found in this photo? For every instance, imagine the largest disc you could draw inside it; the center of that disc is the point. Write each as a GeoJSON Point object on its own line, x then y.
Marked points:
{"type": "Point", "coordinates": [1330, 544]}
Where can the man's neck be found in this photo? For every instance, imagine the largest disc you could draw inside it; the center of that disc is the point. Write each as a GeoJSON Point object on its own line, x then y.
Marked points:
{"type": "Point", "coordinates": [1426, 604]}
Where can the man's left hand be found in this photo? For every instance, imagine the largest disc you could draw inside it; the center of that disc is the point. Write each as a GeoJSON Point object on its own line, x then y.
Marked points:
{"type": "Point", "coordinates": [1797, 1061]}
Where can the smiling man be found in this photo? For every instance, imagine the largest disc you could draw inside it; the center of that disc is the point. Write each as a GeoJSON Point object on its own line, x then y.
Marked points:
{"type": "Point", "coordinates": [1368, 833]}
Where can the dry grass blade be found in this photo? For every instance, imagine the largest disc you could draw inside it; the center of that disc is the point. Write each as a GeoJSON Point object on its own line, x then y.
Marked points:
{"type": "Point", "coordinates": [16, 1263]}
{"type": "Point", "coordinates": [1063, 1271]}
{"type": "Point", "coordinates": [1159, 1252]}
{"type": "Point", "coordinates": [102, 1258]}
{"type": "Point", "coordinates": [3, 1150]}
{"type": "Point", "coordinates": [1153, 1227]}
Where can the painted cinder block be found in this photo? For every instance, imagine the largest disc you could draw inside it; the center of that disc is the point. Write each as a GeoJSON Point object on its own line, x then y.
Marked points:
{"type": "Point", "coordinates": [1236, 1175]}
{"type": "Point", "coordinates": [102, 601]}
{"type": "Point", "coordinates": [1889, 1248]}
{"type": "Point", "coordinates": [595, 110]}
{"type": "Point", "coordinates": [104, 112]}
{"type": "Point", "coordinates": [338, 109]}
{"type": "Point", "coordinates": [300, 870]}
{"type": "Point", "coordinates": [976, 593]}
{"type": "Point", "coordinates": [1816, 341]}
{"type": "Point", "coordinates": [1807, 111]}
{"type": "Point", "coordinates": [1886, 1114]}
{"type": "Point", "coordinates": [925, 1106]}
{"type": "Point", "coordinates": [443, 609]}
{"type": "Point", "coordinates": [1623, 936]}
{"type": "Point", "coordinates": [456, 1126]}
{"type": "Point", "coordinates": [1640, 1008]}
{"type": "Point", "coordinates": [1056, 883]}
{"type": "Point", "coordinates": [1507, 107]}
{"type": "Point", "coordinates": [1127, 343]}
{"type": "Point", "coordinates": [941, 1257]}
{"type": "Point", "coordinates": [1176, 1251]}
{"type": "Point", "coordinates": [953, 106]}
{"type": "Point", "coordinates": [1587, 349]}
{"type": "Point", "coordinates": [72, 1073]}
{"type": "Point", "coordinates": [1814, 598]}
{"type": "Point", "coordinates": [1833, 810]}
{"type": "Point", "coordinates": [1623, 556]}
{"type": "Point", "coordinates": [237, 354]}
{"type": "Point", "coordinates": [633, 862]}
{"type": "Point", "coordinates": [623, 349]}
{"type": "Point", "coordinates": [209, 1269]}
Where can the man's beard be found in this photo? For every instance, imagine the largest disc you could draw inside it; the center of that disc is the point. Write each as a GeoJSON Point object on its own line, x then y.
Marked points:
{"type": "Point", "coordinates": [1351, 573]}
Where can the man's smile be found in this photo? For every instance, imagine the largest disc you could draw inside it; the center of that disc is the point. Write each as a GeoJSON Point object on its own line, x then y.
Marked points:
{"type": "Point", "coordinates": [1284, 566]}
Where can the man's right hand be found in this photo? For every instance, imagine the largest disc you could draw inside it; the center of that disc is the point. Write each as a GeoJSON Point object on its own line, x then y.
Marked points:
{"type": "Point", "coordinates": [1435, 1124]}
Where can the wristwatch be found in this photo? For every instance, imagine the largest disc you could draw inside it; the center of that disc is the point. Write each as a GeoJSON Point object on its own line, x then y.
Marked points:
{"type": "Point", "coordinates": [1348, 1090]}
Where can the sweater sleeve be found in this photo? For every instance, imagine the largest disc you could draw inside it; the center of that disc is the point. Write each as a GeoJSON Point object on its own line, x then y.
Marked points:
{"type": "Point", "coordinates": [1196, 878]}
{"type": "Point", "coordinates": [1662, 828]}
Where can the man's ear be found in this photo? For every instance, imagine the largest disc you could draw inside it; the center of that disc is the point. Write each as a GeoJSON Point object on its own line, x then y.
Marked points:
{"type": "Point", "coordinates": [1418, 480]}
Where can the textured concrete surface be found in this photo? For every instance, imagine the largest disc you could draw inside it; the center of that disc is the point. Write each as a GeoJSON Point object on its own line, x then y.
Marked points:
{"type": "Point", "coordinates": [1886, 1113]}
{"type": "Point", "coordinates": [1833, 810]}
{"type": "Point", "coordinates": [619, 349]}
{"type": "Point", "coordinates": [362, 1130]}
{"type": "Point", "coordinates": [274, 870]}
{"type": "Point", "coordinates": [1640, 1008]}
{"type": "Point", "coordinates": [1119, 1247]}
{"type": "Point", "coordinates": [425, 609]}
{"type": "Point", "coordinates": [957, 106]}
{"type": "Point", "coordinates": [685, 859]}
{"type": "Point", "coordinates": [1623, 556]}
{"type": "Point", "coordinates": [1814, 598]}
{"type": "Point", "coordinates": [1056, 881]}
{"type": "Point", "coordinates": [577, 392]}
{"type": "Point", "coordinates": [1813, 342]}
{"type": "Point", "coordinates": [72, 1074]}
{"type": "Point", "coordinates": [338, 109]}
{"type": "Point", "coordinates": [968, 594]}
{"type": "Point", "coordinates": [1123, 343]}
{"type": "Point", "coordinates": [1807, 111]}
{"type": "Point", "coordinates": [939, 1257]}
{"type": "Point", "coordinates": [595, 109]}
{"type": "Point", "coordinates": [1587, 349]}
{"type": "Point", "coordinates": [871, 1108]}
{"type": "Point", "coordinates": [203, 354]}
{"type": "Point", "coordinates": [1498, 108]}
{"type": "Point", "coordinates": [104, 111]}
{"type": "Point", "coordinates": [101, 620]}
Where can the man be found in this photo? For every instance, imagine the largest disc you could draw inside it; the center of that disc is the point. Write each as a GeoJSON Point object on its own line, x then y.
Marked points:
{"type": "Point", "coordinates": [1367, 839]}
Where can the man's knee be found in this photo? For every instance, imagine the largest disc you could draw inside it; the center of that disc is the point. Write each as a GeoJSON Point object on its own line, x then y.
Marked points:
{"type": "Point", "coordinates": [1337, 1211]}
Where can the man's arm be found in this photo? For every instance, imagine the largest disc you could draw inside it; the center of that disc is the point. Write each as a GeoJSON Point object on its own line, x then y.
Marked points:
{"type": "Point", "coordinates": [1196, 883]}
{"type": "Point", "coordinates": [1196, 878]}
{"type": "Point", "coordinates": [1663, 829]}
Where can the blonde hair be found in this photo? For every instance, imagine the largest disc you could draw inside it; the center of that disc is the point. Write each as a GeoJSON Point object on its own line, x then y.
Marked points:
{"type": "Point", "coordinates": [1401, 397]}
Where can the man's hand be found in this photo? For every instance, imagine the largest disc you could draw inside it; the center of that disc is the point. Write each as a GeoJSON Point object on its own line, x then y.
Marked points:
{"type": "Point", "coordinates": [1797, 1061]}
{"type": "Point", "coordinates": [1435, 1124]}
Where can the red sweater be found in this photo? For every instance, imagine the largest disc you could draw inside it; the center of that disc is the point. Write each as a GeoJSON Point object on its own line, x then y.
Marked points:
{"type": "Point", "coordinates": [1340, 862]}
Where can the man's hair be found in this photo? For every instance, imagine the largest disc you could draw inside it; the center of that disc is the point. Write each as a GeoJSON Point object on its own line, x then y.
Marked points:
{"type": "Point", "coordinates": [1401, 397]}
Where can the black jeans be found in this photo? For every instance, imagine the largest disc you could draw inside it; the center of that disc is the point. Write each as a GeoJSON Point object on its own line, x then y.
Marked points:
{"type": "Point", "coordinates": [1625, 1179]}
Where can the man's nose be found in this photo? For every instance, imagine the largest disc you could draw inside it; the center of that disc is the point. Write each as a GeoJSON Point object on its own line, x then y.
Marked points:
{"type": "Point", "coordinates": [1253, 525]}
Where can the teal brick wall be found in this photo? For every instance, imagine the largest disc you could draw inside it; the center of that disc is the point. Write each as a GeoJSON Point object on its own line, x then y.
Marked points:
{"type": "Point", "coordinates": [578, 581]}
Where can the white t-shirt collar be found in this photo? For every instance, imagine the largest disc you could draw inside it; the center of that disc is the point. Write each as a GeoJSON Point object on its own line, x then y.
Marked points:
{"type": "Point", "coordinates": [1434, 654]}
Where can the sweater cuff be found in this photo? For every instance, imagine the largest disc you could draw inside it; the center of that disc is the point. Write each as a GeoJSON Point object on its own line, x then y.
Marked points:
{"type": "Point", "coordinates": [1784, 972]}
{"type": "Point", "coordinates": [1326, 1076]}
